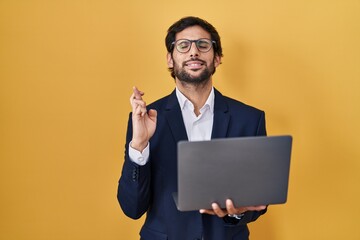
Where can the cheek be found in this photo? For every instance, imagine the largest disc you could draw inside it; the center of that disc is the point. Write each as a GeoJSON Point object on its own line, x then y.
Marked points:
{"type": "Point", "coordinates": [175, 60]}
{"type": "Point", "coordinates": [177, 63]}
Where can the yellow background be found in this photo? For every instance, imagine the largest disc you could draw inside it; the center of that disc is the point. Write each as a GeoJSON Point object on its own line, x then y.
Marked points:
{"type": "Point", "coordinates": [66, 72]}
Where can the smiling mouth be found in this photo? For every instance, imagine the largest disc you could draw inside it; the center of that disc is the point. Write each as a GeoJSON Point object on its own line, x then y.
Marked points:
{"type": "Point", "coordinates": [194, 64]}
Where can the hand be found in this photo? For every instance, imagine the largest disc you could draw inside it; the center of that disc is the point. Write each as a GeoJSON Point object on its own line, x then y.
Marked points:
{"type": "Point", "coordinates": [144, 123]}
{"type": "Point", "coordinates": [230, 209]}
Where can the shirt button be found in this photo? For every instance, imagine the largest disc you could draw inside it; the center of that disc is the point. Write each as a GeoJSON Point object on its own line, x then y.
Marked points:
{"type": "Point", "coordinates": [134, 176]}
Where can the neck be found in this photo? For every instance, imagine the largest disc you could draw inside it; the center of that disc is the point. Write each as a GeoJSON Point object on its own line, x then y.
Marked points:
{"type": "Point", "coordinates": [197, 94]}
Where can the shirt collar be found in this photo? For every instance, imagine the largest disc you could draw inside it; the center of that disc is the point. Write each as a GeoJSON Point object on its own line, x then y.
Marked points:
{"type": "Point", "coordinates": [183, 100]}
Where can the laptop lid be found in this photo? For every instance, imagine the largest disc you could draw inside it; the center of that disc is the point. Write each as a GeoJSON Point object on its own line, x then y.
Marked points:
{"type": "Point", "coordinates": [248, 170]}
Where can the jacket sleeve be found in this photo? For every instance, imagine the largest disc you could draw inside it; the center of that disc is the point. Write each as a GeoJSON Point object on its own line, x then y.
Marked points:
{"type": "Point", "coordinates": [134, 184]}
{"type": "Point", "coordinates": [250, 216]}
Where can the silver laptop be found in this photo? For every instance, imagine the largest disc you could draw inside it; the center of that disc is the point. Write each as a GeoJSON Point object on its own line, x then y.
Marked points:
{"type": "Point", "coordinates": [249, 170]}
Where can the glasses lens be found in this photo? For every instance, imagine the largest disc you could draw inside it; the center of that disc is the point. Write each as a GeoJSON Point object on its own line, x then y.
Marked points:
{"type": "Point", "coordinates": [203, 45]}
{"type": "Point", "coordinates": [183, 45]}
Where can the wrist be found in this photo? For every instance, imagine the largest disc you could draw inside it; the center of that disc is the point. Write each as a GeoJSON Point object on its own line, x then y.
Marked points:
{"type": "Point", "coordinates": [237, 216]}
{"type": "Point", "coordinates": [139, 146]}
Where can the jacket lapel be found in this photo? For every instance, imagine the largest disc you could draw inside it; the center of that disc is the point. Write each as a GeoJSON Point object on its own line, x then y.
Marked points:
{"type": "Point", "coordinates": [221, 117]}
{"type": "Point", "coordinates": [174, 118]}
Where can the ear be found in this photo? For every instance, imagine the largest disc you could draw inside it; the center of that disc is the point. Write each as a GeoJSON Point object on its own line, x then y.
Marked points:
{"type": "Point", "coordinates": [217, 60]}
{"type": "Point", "coordinates": [170, 61]}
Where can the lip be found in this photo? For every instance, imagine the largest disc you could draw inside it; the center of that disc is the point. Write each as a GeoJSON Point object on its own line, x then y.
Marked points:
{"type": "Point", "coordinates": [194, 64]}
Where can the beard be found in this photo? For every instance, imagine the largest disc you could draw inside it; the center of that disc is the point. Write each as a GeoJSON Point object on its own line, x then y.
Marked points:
{"type": "Point", "coordinates": [185, 77]}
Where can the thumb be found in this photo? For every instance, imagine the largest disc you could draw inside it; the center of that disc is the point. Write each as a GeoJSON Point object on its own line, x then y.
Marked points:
{"type": "Point", "coordinates": [152, 113]}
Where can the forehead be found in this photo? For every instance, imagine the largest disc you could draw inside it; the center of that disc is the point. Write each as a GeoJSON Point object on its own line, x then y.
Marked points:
{"type": "Point", "coordinates": [192, 33]}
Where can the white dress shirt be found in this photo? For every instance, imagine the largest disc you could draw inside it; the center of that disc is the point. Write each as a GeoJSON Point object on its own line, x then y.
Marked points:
{"type": "Point", "coordinates": [198, 128]}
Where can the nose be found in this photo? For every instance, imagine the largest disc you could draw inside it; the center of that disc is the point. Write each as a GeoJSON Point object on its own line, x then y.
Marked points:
{"type": "Point", "coordinates": [194, 51]}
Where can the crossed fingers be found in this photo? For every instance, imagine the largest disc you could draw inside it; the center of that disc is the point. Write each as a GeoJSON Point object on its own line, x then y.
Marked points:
{"type": "Point", "coordinates": [137, 103]}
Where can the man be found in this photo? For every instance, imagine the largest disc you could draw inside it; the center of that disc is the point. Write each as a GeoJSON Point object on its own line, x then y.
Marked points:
{"type": "Point", "coordinates": [193, 111]}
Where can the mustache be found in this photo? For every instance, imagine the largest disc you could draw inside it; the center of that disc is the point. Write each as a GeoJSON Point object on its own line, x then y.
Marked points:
{"type": "Point", "coordinates": [194, 59]}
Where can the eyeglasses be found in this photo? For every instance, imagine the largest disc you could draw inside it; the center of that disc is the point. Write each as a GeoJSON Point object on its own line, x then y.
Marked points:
{"type": "Point", "coordinates": [184, 45]}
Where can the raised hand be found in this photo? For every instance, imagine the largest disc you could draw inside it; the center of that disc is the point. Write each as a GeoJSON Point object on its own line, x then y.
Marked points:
{"type": "Point", "coordinates": [143, 121]}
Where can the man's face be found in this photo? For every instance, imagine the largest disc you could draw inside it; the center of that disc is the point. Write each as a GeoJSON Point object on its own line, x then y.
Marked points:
{"type": "Point", "coordinates": [193, 66]}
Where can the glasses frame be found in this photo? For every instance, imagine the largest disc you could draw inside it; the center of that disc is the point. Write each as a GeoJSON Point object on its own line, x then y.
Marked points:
{"type": "Point", "coordinates": [196, 44]}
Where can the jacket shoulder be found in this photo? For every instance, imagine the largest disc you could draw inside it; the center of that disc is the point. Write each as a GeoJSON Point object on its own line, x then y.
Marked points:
{"type": "Point", "coordinates": [232, 105]}
{"type": "Point", "coordinates": [164, 102]}
{"type": "Point", "coordinates": [235, 104]}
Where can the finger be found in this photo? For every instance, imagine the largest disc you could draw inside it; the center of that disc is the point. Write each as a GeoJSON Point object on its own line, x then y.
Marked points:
{"type": "Point", "coordinates": [132, 97]}
{"type": "Point", "coordinates": [139, 111]}
{"type": "Point", "coordinates": [207, 211]}
{"type": "Point", "coordinates": [137, 90]}
{"type": "Point", "coordinates": [139, 102]}
{"type": "Point", "coordinates": [231, 208]}
{"type": "Point", "coordinates": [218, 211]}
{"type": "Point", "coordinates": [137, 93]}
{"type": "Point", "coordinates": [152, 114]}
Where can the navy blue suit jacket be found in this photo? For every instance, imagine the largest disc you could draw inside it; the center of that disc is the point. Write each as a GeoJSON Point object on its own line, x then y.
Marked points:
{"type": "Point", "coordinates": [148, 189]}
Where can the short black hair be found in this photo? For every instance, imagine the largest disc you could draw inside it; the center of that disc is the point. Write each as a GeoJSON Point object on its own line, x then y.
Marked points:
{"type": "Point", "coordinates": [189, 22]}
